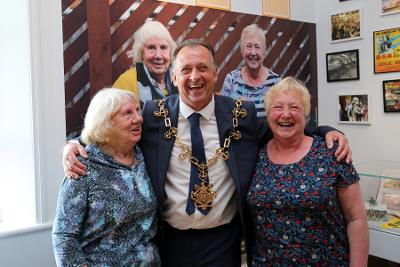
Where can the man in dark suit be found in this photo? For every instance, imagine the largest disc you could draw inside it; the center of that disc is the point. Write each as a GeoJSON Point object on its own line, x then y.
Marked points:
{"type": "Point", "coordinates": [201, 199]}
{"type": "Point", "coordinates": [196, 239]}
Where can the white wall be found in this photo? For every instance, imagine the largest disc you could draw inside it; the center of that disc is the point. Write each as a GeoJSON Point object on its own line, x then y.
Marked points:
{"type": "Point", "coordinates": [27, 248]}
{"type": "Point", "coordinates": [380, 140]}
{"type": "Point", "coordinates": [248, 6]}
{"type": "Point", "coordinates": [303, 10]}
{"type": "Point", "coordinates": [44, 104]}
{"type": "Point", "coordinates": [48, 102]}
{"type": "Point", "coordinates": [16, 140]}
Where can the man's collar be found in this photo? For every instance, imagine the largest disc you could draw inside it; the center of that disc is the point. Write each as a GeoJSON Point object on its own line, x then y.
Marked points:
{"type": "Point", "coordinates": [206, 112]}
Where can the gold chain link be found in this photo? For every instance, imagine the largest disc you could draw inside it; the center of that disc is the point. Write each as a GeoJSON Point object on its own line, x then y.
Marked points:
{"type": "Point", "coordinates": [235, 134]}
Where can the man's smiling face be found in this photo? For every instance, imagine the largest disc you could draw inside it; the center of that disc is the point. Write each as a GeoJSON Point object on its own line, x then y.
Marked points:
{"type": "Point", "coordinates": [195, 75]}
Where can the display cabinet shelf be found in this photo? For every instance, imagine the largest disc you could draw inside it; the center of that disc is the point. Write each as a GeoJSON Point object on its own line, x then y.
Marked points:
{"type": "Point", "coordinates": [380, 186]}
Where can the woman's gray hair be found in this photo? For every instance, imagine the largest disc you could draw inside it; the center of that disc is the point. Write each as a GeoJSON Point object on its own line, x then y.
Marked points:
{"type": "Point", "coordinates": [104, 105]}
{"type": "Point", "coordinates": [289, 84]}
{"type": "Point", "coordinates": [251, 31]}
{"type": "Point", "coordinates": [150, 29]}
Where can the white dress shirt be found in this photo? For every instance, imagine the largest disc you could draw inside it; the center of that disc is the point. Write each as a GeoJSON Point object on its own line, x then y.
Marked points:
{"type": "Point", "coordinates": [178, 176]}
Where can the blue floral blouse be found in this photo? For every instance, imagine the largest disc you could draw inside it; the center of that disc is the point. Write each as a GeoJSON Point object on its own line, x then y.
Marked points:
{"type": "Point", "coordinates": [296, 214]}
{"type": "Point", "coordinates": [108, 217]}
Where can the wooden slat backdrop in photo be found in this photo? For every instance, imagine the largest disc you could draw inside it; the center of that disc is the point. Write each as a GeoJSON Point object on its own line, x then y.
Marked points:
{"type": "Point", "coordinates": [95, 48]}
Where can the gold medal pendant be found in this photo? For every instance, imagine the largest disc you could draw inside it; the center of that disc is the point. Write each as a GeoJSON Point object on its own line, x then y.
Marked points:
{"type": "Point", "coordinates": [203, 196]}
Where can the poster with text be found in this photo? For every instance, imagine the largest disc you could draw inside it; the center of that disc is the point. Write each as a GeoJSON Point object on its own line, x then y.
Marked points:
{"type": "Point", "coordinates": [391, 96]}
{"type": "Point", "coordinates": [387, 50]}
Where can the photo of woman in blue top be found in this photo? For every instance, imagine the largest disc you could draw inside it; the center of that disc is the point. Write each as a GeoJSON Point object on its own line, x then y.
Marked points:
{"type": "Point", "coordinates": [253, 79]}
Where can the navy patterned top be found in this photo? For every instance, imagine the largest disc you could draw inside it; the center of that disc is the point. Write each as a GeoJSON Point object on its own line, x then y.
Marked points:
{"type": "Point", "coordinates": [296, 213]}
{"type": "Point", "coordinates": [235, 87]}
{"type": "Point", "coordinates": [108, 217]}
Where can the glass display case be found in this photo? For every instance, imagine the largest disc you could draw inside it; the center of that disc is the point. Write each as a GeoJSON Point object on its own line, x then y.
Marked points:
{"type": "Point", "coordinates": [380, 185]}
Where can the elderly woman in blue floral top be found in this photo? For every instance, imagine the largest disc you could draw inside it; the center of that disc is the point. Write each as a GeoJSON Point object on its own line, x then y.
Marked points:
{"type": "Point", "coordinates": [306, 207]}
{"type": "Point", "coordinates": [108, 217]}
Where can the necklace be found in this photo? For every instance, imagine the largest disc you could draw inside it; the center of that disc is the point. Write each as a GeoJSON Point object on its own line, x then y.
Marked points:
{"type": "Point", "coordinates": [203, 194]}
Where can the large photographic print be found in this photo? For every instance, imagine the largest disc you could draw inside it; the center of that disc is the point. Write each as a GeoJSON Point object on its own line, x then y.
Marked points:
{"type": "Point", "coordinates": [346, 26]}
{"type": "Point", "coordinates": [391, 95]}
{"type": "Point", "coordinates": [387, 50]}
{"type": "Point", "coordinates": [354, 109]}
{"type": "Point", "coordinates": [342, 66]}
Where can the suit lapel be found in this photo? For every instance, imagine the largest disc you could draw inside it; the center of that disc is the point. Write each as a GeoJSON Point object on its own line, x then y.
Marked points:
{"type": "Point", "coordinates": [165, 145]}
{"type": "Point", "coordinates": [224, 118]}
{"type": "Point", "coordinates": [223, 114]}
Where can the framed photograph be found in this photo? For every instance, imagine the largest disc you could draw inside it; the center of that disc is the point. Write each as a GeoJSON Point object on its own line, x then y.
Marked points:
{"type": "Point", "coordinates": [276, 8]}
{"type": "Point", "coordinates": [390, 6]}
{"type": "Point", "coordinates": [218, 4]}
{"type": "Point", "coordinates": [354, 109]}
{"type": "Point", "coordinates": [346, 26]}
{"type": "Point", "coordinates": [386, 50]}
{"type": "Point", "coordinates": [391, 95]}
{"type": "Point", "coordinates": [342, 66]}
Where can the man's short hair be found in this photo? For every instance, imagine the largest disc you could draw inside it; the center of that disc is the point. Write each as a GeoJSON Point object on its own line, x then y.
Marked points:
{"type": "Point", "coordinates": [193, 43]}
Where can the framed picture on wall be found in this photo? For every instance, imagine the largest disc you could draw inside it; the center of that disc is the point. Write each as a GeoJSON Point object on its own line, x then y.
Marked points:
{"type": "Point", "coordinates": [346, 26]}
{"type": "Point", "coordinates": [386, 50]}
{"type": "Point", "coordinates": [354, 109]}
{"type": "Point", "coordinates": [342, 66]}
{"type": "Point", "coordinates": [391, 95]}
{"type": "Point", "coordinates": [390, 6]}
{"type": "Point", "coordinates": [218, 4]}
{"type": "Point", "coordinates": [276, 8]}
